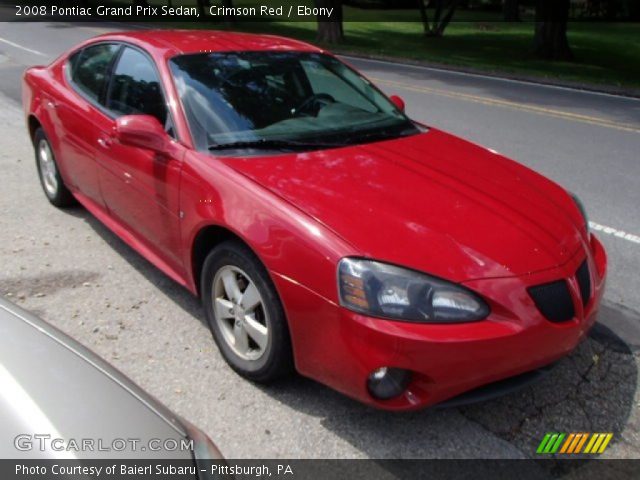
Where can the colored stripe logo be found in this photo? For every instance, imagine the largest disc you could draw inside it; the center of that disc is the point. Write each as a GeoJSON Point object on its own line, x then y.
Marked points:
{"type": "Point", "coordinates": [573, 443]}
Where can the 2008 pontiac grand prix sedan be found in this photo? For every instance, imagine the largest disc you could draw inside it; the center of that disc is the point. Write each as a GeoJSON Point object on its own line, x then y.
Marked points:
{"type": "Point", "coordinates": [323, 229]}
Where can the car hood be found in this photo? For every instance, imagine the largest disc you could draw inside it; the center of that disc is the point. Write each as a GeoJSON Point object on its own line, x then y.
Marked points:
{"type": "Point", "coordinates": [432, 202]}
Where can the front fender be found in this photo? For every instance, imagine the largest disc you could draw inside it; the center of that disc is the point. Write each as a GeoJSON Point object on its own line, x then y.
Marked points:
{"type": "Point", "coordinates": [288, 242]}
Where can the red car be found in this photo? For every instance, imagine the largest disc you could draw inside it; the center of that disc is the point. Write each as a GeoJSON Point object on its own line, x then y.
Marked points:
{"type": "Point", "coordinates": [323, 229]}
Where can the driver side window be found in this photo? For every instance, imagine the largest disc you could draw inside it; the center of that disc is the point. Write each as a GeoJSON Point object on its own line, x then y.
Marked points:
{"type": "Point", "coordinates": [135, 88]}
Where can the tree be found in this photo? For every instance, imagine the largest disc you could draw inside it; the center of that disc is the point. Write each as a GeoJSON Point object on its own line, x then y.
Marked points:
{"type": "Point", "coordinates": [436, 27]}
{"type": "Point", "coordinates": [550, 38]}
{"type": "Point", "coordinates": [511, 10]}
{"type": "Point", "coordinates": [330, 30]}
{"type": "Point", "coordinates": [203, 7]}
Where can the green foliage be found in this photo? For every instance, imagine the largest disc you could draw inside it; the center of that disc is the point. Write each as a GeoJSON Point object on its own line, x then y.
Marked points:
{"type": "Point", "coordinates": [605, 53]}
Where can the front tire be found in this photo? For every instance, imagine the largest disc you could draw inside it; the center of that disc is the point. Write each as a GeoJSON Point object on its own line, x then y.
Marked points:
{"type": "Point", "coordinates": [50, 180]}
{"type": "Point", "coordinates": [245, 314]}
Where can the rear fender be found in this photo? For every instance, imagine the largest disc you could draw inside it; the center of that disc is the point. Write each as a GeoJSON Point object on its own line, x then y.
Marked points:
{"type": "Point", "coordinates": [39, 101]}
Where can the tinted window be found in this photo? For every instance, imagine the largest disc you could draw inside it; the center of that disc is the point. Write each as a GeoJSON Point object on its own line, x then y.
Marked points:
{"type": "Point", "coordinates": [135, 87]}
{"type": "Point", "coordinates": [90, 68]}
{"type": "Point", "coordinates": [324, 81]}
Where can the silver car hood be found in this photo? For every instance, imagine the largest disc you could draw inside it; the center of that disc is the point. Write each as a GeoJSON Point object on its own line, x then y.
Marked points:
{"type": "Point", "coordinates": [52, 385]}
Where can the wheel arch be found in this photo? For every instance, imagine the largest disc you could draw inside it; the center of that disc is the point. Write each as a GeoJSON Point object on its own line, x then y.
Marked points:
{"type": "Point", "coordinates": [33, 124]}
{"type": "Point", "coordinates": [207, 238]}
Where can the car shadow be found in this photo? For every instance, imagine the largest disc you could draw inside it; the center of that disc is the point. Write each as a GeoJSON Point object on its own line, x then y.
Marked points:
{"type": "Point", "coordinates": [591, 390]}
{"type": "Point", "coordinates": [172, 290]}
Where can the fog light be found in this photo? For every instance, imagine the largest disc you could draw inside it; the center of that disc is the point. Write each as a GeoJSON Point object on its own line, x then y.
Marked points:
{"type": "Point", "coordinates": [385, 383]}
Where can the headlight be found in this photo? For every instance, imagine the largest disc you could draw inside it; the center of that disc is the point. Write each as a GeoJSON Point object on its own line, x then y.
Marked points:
{"type": "Point", "coordinates": [583, 211]}
{"type": "Point", "coordinates": [383, 290]}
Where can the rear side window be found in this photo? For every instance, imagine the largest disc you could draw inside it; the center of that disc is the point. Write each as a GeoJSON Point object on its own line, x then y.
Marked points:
{"type": "Point", "coordinates": [90, 68]}
{"type": "Point", "coordinates": [135, 87]}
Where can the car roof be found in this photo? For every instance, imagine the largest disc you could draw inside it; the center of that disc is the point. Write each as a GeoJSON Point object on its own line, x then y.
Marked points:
{"type": "Point", "coordinates": [175, 42]}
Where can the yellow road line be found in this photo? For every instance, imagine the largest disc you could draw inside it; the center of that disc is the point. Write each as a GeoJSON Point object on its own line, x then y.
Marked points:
{"type": "Point", "coordinates": [602, 122]}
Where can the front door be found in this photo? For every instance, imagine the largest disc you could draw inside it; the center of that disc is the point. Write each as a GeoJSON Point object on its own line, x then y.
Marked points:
{"type": "Point", "coordinates": [141, 187]}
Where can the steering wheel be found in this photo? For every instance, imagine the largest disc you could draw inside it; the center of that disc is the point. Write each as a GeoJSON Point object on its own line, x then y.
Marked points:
{"type": "Point", "coordinates": [313, 104]}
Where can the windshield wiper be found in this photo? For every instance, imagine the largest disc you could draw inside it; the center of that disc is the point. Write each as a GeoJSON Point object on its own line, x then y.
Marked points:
{"type": "Point", "coordinates": [269, 144]}
{"type": "Point", "coordinates": [381, 135]}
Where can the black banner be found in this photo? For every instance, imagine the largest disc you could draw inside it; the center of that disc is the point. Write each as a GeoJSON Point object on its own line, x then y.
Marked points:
{"type": "Point", "coordinates": [319, 469]}
{"type": "Point", "coordinates": [293, 11]}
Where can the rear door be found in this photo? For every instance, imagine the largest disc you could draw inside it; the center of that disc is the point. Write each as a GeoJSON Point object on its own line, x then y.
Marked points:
{"type": "Point", "coordinates": [141, 187]}
{"type": "Point", "coordinates": [87, 73]}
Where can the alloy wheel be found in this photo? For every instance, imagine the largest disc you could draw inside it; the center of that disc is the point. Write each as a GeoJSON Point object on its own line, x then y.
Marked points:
{"type": "Point", "coordinates": [48, 168]}
{"type": "Point", "coordinates": [240, 313]}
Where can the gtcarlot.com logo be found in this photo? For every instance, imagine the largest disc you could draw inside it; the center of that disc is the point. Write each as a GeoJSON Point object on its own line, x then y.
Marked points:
{"type": "Point", "coordinates": [44, 442]}
{"type": "Point", "coordinates": [574, 443]}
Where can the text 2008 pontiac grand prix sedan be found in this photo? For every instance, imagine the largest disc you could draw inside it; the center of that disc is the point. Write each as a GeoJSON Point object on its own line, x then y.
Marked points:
{"type": "Point", "coordinates": [323, 229]}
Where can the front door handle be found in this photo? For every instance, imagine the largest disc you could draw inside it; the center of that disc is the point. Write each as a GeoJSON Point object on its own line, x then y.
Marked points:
{"type": "Point", "coordinates": [105, 142]}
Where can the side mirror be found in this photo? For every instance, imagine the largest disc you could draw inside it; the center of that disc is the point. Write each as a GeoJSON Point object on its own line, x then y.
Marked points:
{"type": "Point", "coordinates": [398, 102]}
{"type": "Point", "coordinates": [142, 131]}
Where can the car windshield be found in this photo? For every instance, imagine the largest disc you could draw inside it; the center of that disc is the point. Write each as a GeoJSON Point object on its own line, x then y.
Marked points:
{"type": "Point", "coordinates": [279, 100]}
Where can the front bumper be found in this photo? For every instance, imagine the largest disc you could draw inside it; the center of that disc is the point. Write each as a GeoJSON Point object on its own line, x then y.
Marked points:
{"type": "Point", "coordinates": [341, 348]}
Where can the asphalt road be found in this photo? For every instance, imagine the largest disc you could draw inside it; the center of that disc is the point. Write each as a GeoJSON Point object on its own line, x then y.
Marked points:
{"type": "Point", "coordinates": [68, 268]}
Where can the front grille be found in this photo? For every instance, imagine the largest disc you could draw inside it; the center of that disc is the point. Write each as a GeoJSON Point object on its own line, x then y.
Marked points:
{"type": "Point", "coordinates": [553, 300]}
{"type": "Point", "coordinates": [584, 282]}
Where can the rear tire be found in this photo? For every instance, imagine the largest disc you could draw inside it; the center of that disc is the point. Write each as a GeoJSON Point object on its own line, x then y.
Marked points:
{"type": "Point", "coordinates": [50, 180]}
{"type": "Point", "coordinates": [245, 314]}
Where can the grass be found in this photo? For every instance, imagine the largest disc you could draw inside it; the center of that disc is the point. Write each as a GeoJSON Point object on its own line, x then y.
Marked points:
{"type": "Point", "coordinates": [605, 53]}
